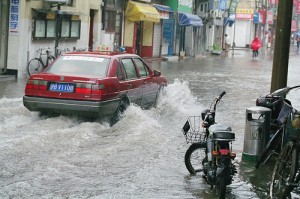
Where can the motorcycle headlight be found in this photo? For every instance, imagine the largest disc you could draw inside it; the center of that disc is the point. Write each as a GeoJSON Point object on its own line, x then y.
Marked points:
{"type": "Point", "coordinates": [296, 121]}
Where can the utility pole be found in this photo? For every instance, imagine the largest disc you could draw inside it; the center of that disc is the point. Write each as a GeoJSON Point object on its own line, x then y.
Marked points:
{"type": "Point", "coordinates": [282, 45]}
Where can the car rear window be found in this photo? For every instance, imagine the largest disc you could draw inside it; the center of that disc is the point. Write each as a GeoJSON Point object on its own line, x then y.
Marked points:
{"type": "Point", "coordinates": [80, 66]}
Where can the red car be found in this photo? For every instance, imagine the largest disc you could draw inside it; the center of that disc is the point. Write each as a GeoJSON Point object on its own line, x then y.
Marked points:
{"type": "Point", "coordinates": [93, 84]}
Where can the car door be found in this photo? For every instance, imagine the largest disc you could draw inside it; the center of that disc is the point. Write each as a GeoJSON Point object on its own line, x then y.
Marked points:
{"type": "Point", "coordinates": [150, 87]}
{"type": "Point", "coordinates": [132, 81]}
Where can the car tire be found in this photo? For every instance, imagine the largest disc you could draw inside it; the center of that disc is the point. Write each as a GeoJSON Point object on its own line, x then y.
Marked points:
{"type": "Point", "coordinates": [123, 105]}
{"type": "Point", "coordinates": [160, 91]}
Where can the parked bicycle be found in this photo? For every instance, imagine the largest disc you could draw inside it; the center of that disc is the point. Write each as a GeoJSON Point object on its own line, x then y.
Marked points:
{"type": "Point", "coordinates": [281, 112]}
{"type": "Point", "coordinates": [286, 173]}
{"type": "Point", "coordinates": [211, 149]}
{"type": "Point", "coordinates": [39, 63]}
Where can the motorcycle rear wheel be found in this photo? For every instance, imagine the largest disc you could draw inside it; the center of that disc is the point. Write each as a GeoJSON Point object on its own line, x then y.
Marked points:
{"type": "Point", "coordinates": [195, 157]}
{"type": "Point", "coordinates": [221, 187]}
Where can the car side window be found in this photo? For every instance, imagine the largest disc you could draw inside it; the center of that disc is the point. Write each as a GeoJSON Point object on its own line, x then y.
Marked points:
{"type": "Point", "coordinates": [120, 73]}
{"type": "Point", "coordinates": [141, 67]}
{"type": "Point", "coordinates": [129, 69]}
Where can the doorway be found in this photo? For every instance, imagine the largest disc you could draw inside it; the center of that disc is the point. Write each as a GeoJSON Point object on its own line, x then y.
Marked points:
{"type": "Point", "coordinates": [91, 33]}
{"type": "Point", "coordinates": [3, 34]}
{"type": "Point", "coordinates": [138, 41]}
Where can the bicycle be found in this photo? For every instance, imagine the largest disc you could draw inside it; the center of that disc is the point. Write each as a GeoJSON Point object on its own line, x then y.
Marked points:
{"type": "Point", "coordinates": [37, 65]}
{"type": "Point", "coordinates": [286, 172]}
{"type": "Point", "coordinates": [281, 112]}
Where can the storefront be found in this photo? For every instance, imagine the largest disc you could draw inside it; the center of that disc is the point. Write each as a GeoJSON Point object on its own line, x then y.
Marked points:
{"type": "Point", "coordinates": [139, 28]}
{"type": "Point", "coordinates": [187, 24]}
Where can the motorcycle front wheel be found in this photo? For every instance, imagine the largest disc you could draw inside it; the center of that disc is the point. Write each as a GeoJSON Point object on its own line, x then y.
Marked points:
{"type": "Point", "coordinates": [195, 157]}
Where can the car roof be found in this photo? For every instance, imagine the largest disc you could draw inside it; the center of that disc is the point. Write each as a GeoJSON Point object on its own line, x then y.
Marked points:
{"type": "Point", "coordinates": [107, 54]}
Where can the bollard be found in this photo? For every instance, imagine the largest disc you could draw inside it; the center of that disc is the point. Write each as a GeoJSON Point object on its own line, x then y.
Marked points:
{"type": "Point", "coordinates": [257, 132]}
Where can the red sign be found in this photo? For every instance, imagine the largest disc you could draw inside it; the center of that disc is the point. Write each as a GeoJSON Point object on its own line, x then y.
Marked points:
{"type": "Point", "coordinates": [273, 2]}
{"type": "Point", "coordinates": [269, 17]}
{"type": "Point", "coordinates": [293, 26]}
{"type": "Point", "coordinates": [297, 6]}
{"type": "Point", "coordinates": [263, 15]}
{"type": "Point", "coordinates": [243, 16]}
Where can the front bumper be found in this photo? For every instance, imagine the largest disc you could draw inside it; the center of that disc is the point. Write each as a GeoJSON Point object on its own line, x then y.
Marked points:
{"type": "Point", "coordinates": [71, 107]}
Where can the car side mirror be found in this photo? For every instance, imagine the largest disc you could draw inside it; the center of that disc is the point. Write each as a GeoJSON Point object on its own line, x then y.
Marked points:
{"type": "Point", "coordinates": [157, 73]}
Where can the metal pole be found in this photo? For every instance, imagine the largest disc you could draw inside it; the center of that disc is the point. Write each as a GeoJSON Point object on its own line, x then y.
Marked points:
{"type": "Point", "coordinates": [58, 30]}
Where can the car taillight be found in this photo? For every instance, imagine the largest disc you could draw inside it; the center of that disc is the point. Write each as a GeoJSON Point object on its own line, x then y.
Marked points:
{"type": "Point", "coordinates": [83, 88]}
{"type": "Point", "coordinates": [36, 85]}
{"type": "Point", "coordinates": [96, 89]}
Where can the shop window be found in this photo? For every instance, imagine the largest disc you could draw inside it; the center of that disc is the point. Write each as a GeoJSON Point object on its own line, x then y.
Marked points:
{"type": "Point", "coordinates": [46, 28]}
{"type": "Point", "coordinates": [110, 20]}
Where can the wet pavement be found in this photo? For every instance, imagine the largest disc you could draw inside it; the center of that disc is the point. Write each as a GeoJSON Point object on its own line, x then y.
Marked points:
{"type": "Point", "coordinates": [142, 156]}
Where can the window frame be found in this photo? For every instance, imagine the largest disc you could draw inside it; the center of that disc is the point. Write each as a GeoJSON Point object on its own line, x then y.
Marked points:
{"type": "Point", "coordinates": [126, 72]}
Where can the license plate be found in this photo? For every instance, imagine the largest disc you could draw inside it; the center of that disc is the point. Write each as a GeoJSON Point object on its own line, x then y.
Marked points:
{"type": "Point", "coordinates": [60, 87]}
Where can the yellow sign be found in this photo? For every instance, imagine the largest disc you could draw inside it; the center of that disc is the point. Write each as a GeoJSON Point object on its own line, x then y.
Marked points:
{"type": "Point", "coordinates": [244, 11]}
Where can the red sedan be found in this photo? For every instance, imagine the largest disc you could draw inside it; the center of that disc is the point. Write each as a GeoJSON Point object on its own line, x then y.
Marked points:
{"type": "Point", "coordinates": [93, 84]}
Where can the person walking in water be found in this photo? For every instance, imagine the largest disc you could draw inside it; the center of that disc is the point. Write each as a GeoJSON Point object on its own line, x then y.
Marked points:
{"type": "Point", "coordinates": [255, 45]}
{"type": "Point", "coordinates": [227, 43]}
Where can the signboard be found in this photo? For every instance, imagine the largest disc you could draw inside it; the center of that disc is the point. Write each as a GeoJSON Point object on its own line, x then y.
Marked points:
{"type": "Point", "coordinates": [269, 17]}
{"type": "Point", "coordinates": [168, 29]}
{"type": "Point", "coordinates": [185, 6]}
{"type": "Point", "coordinates": [14, 14]}
{"type": "Point", "coordinates": [233, 6]}
{"type": "Point", "coordinates": [222, 5]}
{"type": "Point", "coordinates": [297, 6]}
{"type": "Point", "coordinates": [244, 14]}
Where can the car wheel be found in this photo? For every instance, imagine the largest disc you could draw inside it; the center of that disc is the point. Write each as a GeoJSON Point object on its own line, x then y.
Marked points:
{"type": "Point", "coordinates": [124, 103]}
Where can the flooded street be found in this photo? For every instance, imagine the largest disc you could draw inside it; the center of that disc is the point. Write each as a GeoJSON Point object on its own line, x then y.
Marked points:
{"type": "Point", "coordinates": [142, 156]}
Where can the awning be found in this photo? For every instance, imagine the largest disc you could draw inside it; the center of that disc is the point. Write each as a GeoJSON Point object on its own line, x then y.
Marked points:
{"type": "Point", "coordinates": [141, 12]}
{"type": "Point", "coordinates": [163, 8]}
{"type": "Point", "coordinates": [186, 19]}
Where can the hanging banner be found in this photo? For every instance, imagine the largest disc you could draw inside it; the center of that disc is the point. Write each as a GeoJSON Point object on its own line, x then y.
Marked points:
{"type": "Point", "coordinates": [270, 17]}
{"type": "Point", "coordinates": [14, 14]}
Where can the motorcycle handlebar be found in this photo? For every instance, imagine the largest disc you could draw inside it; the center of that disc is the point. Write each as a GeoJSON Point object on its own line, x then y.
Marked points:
{"type": "Point", "coordinates": [216, 101]}
{"type": "Point", "coordinates": [221, 95]}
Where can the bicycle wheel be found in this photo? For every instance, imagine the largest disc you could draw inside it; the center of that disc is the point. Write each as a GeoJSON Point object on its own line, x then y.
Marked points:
{"type": "Point", "coordinates": [294, 175]}
{"type": "Point", "coordinates": [35, 66]}
{"type": "Point", "coordinates": [273, 144]}
{"type": "Point", "coordinates": [283, 173]}
{"type": "Point", "coordinates": [195, 157]}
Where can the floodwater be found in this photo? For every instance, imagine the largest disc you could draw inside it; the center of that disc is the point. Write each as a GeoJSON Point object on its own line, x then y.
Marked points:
{"type": "Point", "coordinates": [142, 156]}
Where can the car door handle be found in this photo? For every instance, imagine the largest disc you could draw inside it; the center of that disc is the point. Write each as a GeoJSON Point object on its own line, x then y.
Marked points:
{"type": "Point", "coordinates": [145, 82]}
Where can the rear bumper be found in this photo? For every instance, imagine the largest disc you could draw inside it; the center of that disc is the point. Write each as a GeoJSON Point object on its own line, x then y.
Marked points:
{"type": "Point", "coordinates": [71, 107]}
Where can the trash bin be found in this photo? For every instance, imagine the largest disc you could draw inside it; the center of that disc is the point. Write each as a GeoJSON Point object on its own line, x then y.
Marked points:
{"type": "Point", "coordinates": [257, 132]}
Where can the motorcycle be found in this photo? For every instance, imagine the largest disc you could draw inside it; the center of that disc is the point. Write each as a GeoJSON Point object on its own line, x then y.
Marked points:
{"type": "Point", "coordinates": [211, 148]}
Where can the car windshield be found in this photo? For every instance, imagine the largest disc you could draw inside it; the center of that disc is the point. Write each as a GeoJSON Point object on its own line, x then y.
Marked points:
{"type": "Point", "coordinates": [80, 66]}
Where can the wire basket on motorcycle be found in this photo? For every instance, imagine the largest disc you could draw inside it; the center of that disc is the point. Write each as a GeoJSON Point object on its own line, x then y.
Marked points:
{"type": "Point", "coordinates": [192, 130]}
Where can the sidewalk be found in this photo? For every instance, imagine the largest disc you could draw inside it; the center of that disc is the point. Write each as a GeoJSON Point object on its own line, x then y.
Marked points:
{"type": "Point", "coordinates": [7, 77]}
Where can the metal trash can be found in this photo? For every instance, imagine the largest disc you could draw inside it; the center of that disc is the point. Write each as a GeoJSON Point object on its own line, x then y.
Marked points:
{"type": "Point", "coordinates": [257, 131]}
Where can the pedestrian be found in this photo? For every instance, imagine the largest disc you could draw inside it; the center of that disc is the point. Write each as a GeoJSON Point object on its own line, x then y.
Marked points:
{"type": "Point", "coordinates": [297, 38]}
{"type": "Point", "coordinates": [255, 45]}
{"type": "Point", "coordinates": [227, 43]}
